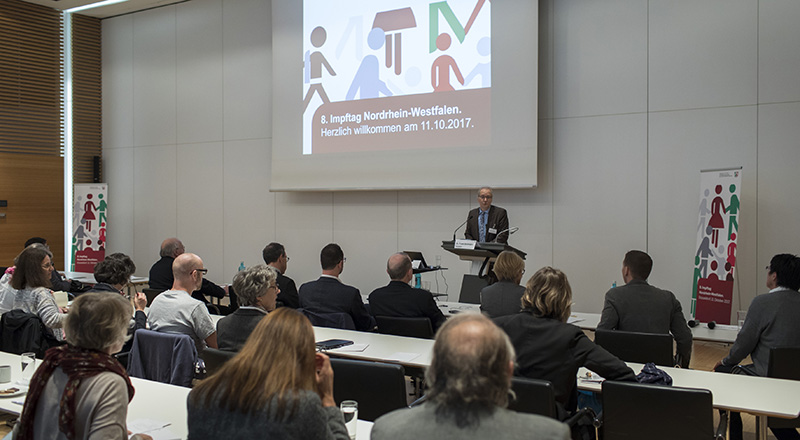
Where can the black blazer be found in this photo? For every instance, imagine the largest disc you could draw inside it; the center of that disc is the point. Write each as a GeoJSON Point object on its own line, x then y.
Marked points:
{"type": "Point", "coordinates": [501, 298]}
{"type": "Point", "coordinates": [401, 300]}
{"type": "Point", "coordinates": [329, 295]}
{"type": "Point", "coordinates": [496, 219]}
{"type": "Point", "coordinates": [288, 295]}
{"type": "Point", "coordinates": [234, 329]}
{"type": "Point", "coordinates": [553, 350]}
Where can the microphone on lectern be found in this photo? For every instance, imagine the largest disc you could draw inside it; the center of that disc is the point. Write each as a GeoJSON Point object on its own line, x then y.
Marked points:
{"type": "Point", "coordinates": [459, 226]}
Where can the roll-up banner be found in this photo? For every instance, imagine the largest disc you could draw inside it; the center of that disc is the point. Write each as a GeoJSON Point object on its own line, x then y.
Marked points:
{"type": "Point", "coordinates": [717, 235]}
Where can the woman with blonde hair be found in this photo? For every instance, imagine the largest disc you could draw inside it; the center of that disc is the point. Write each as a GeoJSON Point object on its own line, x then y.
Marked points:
{"type": "Point", "coordinates": [547, 347]}
{"type": "Point", "coordinates": [276, 387]}
{"type": "Point", "coordinates": [504, 297]}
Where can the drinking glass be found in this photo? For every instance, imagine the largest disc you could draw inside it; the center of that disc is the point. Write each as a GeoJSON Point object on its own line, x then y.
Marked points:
{"type": "Point", "coordinates": [349, 410]}
{"type": "Point", "coordinates": [741, 315]}
{"type": "Point", "coordinates": [28, 364]}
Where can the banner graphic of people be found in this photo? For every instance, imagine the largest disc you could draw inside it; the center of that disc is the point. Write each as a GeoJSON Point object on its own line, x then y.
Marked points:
{"type": "Point", "coordinates": [715, 257]}
{"type": "Point", "coordinates": [89, 225]}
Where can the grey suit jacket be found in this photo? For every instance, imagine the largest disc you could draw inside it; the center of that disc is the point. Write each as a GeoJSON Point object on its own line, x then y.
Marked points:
{"type": "Point", "coordinates": [234, 329]}
{"type": "Point", "coordinates": [640, 307]}
{"type": "Point", "coordinates": [421, 422]}
{"type": "Point", "coordinates": [501, 298]}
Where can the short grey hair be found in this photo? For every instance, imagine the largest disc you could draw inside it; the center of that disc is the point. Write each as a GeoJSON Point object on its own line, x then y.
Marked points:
{"type": "Point", "coordinates": [98, 320]}
{"type": "Point", "coordinates": [170, 246]}
{"type": "Point", "coordinates": [469, 372]}
{"type": "Point", "coordinates": [253, 282]}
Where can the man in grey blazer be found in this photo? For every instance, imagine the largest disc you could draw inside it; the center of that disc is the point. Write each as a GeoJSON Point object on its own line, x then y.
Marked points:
{"type": "Point", "coordinates": [469, 380]}
{"type": "Point", "coordinates": [639, 307]}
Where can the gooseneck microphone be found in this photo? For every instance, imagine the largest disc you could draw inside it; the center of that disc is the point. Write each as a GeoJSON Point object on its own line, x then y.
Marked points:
{"type": "Point", "coordinates": [509, 230]}
{"type": "Point", "coordinates": [459, 226]}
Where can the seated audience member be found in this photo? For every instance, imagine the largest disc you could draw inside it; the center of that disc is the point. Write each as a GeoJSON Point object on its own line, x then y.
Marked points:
{"type": "Point", "coordinates": [400, 299]}
{"type": "Point", "coordinates": [772, 321]}
{"type": "Point", "coordinates": [111, 275]}
{"type": "Point", "coordinates": [276, 387]}
{"type": "Point", "coordinates": [7, 293]}
{"type": "Point", "coordinates": [329, 294]}
{"type": "Point", "coordinates": [639, 307]}
{"type": "Point", "coordinates": [547, 347]}
{"type": "Point", "coordinates": [175, 311]}
{"type": "Point", "coordinates": [504, 297]}
{"type": "Point", "coordinates": [275, 256]}
{"type": "Point", "coordinates": [31, 280]}
{"type": "Point", "coordinates": [57, 282]}
{"type": "Point", "coordinates": [80, 390]}
{"type": "Point", "coordinates": [257, 290]}
{"type": "Point", "coordinates": [469, 382]}
{"type": "Point", "coordinates": [161, 277]}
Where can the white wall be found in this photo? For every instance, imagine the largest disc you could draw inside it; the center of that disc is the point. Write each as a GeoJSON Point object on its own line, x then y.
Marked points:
{"type": "Point", "coordinates": [636, 97]}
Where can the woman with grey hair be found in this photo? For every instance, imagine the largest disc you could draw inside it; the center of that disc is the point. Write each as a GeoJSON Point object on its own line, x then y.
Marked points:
{"type": "Point", "coordinates": [80, 389]}
{"type": "Point", "coordinates": [257, 289]}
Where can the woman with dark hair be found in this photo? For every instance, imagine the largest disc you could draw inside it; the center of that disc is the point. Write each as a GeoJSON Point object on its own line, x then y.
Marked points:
{"type": "Point", "coordinates": [276, 387]}
{"type": "Point", "coordinates": [547, 347]}
{"type": "Point", "coordinates": [31, 279]}
{"type": "Point", "coordinates": [80, 391]}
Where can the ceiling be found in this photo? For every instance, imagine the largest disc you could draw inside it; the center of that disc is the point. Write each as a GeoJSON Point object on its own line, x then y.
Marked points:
{"type": "Point", "coordinates": [105, 11]}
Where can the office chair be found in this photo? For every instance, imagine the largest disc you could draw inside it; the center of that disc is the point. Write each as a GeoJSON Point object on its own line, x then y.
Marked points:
{"type": "Point", "coordinates": [401, 326]}
{"type": "Point", "coordinates": [533, 396]}
{"type": "Point", "coordinates": [215, 358]}
{"type": "Point", "coordinates": [163, 357]}
{"type": "Point", "coordinates": [330, 320]}
{"type": "Point", "coordinates": [385, 392]}
{"type": "Point", "coordinates": [637, 347]}
{"type": "Point", "coordinates": [783, 364]}
{"type": "Point", "coordinates": [151, 294]}
{"type": "Point", "coordinates": [656, 412]}
{"type": "Point", "coordinates": [471, 289]}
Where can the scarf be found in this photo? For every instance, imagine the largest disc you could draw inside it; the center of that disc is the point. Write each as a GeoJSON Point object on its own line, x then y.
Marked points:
{"type": "Point", "coordinates": [77, 364]}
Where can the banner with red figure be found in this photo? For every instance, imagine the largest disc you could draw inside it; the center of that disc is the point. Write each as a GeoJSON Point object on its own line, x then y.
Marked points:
{"type": "Point", "coordinates": [89, 226]}
{"type": "Point", "coordinates": [717, 233]}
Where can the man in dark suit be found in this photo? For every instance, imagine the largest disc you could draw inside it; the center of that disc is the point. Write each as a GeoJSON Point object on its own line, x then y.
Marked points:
{"type": "Point", "coordinates": [162, 278]}
{"type": "Point", "coordinates": [401, 300]}
{"type": "Point", "coordinates": [275, 256]}
{"type": "Point", "coordinates": [328, 294]}
{"type": "Point", "coordinates": [487, 222]}
{"type": "Point", "coordinates": [639, 307]}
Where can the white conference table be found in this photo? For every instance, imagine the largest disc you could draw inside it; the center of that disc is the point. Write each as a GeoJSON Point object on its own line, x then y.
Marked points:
{"type": "Point", "coordinates": [761, 396]}
{"type": "Point", "coordinates": [722, 333]}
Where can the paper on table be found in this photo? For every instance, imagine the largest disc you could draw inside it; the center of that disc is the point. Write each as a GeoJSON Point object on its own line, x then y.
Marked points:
{"type": "Point", "coordinates": [401, 357]}
{"type": "Point", "coordinates": [352, 348]}
{"type": "Point", "coordinates": [157, 429]}
{"type": "Point", "coordinates": [574, 319]}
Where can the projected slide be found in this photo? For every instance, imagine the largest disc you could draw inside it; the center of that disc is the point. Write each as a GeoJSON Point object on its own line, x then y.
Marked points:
{"type": "Point", "coordinates": [388, 75]}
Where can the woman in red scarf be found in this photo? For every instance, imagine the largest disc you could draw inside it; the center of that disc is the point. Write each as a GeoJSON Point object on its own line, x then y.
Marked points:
{"type": "Point", "coordinates": [80, 391]}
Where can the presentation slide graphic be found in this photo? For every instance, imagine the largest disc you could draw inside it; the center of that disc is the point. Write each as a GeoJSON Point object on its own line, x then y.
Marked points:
{"type": "Point", "coordinates": [382, 75]}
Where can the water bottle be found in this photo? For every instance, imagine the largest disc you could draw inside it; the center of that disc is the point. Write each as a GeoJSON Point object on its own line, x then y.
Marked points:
{"type": "Point", "coordinates": [417, 280]}
{"type": "Point", "coordinates": [614, 284]}
{"type": "Point", "coordinates": [241, 266]}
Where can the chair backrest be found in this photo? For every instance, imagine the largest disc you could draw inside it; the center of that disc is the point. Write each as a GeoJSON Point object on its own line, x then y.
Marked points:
{"type": "Point", "coordinates": [378, 387]}
{"type": "Point", "coordinates": [533, 396]}
{"type": "Point", "coordinates": [783, 364]}
{"type": "Point", "coordinates": [151, 294]}
{"type": "Point", "coordinates": [637, 347]}
{"type": "Point", "coordinates": [331, 320]}
{"type": "Point", "coordinates": [471, 287]}
{"type": "Point", "coordinates": [163, 357]}
{"type": "Point", "coordinates": [214, 358]}
{"type": "Point", "coordinates": [656, 412]}
{"type": "Point", "coordinates": [402, 326]}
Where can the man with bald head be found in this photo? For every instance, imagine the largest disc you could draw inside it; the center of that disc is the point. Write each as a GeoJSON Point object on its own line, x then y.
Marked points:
{"type": "Point", "coordinates": [161, 277]}
{"type": "Point", "coordinates": [399, 299]}
{"type": "Point", "coordinates": [469, 380]}
{"type": "Point", "coordinates": [175, 311]}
